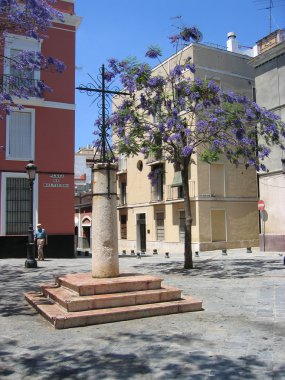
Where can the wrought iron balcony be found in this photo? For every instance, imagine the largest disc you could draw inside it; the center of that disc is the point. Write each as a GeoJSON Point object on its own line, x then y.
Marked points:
{"type": "Point", "coordinates": [16, 86]}
{"type": "Point", "coordinates": [157, 195]}
{"type": "Point", "coordinates": [176, 192]}
{"type": "Point", "coordinates": [155, 158]}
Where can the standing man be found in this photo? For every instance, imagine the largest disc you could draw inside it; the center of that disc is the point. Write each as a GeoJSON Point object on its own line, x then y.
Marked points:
{"type": "Point", "coordinates": [41, 241]}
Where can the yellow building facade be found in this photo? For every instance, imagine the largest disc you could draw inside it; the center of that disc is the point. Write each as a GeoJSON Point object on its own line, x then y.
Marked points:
{"type": "Point", "coordinates": [223, 196]}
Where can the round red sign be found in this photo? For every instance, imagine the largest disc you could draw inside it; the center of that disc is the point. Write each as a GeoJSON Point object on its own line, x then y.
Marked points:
{"type": "Point", "coordinates": [261, 205]}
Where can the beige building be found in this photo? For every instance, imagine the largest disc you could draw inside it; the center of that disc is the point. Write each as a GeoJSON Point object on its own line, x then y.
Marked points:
{"type": "Point", "coordinates": [269, 65]}
{"type": "Point", "coordinates": [223, 197]}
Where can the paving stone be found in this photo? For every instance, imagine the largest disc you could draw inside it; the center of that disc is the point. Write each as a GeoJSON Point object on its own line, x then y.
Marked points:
{"type": "Point", "coordinates": [228, 340]}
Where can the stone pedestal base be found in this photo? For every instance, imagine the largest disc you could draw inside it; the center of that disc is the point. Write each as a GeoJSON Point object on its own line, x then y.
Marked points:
{"type": "Point", "coordinates": [80, 300]}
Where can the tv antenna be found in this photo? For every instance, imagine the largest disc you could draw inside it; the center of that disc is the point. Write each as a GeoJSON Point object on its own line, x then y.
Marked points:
{"type": "Point", "coordinates": [269, 5]}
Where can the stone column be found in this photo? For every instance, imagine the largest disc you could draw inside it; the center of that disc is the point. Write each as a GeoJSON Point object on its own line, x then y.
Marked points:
{"type": "Point", "coordinates": [105, 260]}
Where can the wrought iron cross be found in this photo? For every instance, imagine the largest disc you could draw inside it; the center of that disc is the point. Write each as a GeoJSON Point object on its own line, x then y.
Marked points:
{"type": "Point", "coordinates": [104, 99]}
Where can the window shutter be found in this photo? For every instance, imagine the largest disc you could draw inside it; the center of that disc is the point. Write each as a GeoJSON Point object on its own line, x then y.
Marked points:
{"type": "Point", "coordinates": [20, 135]}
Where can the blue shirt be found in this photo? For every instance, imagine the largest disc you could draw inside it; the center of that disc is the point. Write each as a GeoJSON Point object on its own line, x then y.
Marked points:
{"type": "Point", "coordinates": [40, 233]}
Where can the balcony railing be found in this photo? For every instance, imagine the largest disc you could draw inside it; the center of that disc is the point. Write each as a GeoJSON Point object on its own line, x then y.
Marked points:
{"type": "Point", "coordinates": [155, 157]}
{"type": "Point", "coordinates": [174, 193]}
{"type": "Point", "coordinates": [18, 86]}
{"type": "Point", "coordinates": [156, 195]}
{"type": "Point", "coordinates": [122, 201]}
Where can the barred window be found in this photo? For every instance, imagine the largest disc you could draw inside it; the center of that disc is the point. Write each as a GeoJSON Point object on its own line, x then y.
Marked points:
{"type": "Point", "coordinates": [17, 206]}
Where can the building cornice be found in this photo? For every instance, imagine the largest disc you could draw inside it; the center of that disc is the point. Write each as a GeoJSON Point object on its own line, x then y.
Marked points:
{"type": "Point", "coordinates": [268, 55]}
{"type": "Point", "coordinates": [71, 20]}
{"type": "Point", "coordinates": [38, 102]}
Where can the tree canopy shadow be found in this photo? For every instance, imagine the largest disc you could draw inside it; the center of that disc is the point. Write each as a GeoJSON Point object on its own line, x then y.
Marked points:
{"type": "Point", "coordinates": [15, 281]}
{"type": "Point", "coordinates": [219, 269]}
{"type": "Point", "coordinates": [132, 356]}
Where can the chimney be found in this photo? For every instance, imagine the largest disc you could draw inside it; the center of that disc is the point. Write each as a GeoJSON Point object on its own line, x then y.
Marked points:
{"type": "Point", "coordinates": [232, 44]}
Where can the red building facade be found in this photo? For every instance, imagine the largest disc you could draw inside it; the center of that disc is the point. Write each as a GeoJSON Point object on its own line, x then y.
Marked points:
{"type": "Point", "coordinates": [43, 131]}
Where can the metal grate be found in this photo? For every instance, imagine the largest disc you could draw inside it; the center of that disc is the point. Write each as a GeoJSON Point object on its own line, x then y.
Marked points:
{"type": "Point", "coordinates": [18, 195]}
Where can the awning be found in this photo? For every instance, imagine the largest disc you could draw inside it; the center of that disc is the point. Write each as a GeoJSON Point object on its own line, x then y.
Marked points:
{"type": "Point", "coordinates": [177, 179]}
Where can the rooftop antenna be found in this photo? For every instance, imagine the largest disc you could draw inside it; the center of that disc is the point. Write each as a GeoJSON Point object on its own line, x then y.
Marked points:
{"type": "Point", "coordinates": [269, 7]}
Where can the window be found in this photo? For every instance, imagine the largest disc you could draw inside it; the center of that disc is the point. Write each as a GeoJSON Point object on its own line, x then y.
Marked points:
{"type": "Point", "coordinates": [20, 135]}
{"type": "Point", "coordinates": [157, 174]}
{"type": "Point", "coordinates": [15, 44]}
{"type": "Point", "coordinates": [14, 78]}
{"type": "Point", "coordinates": [160, 226]}
{"type": "Point", "coordinates": [15, 203]}
{"type": "Point", "coordinates": [182, 225]}
{"type": "Point", "coordinates": [123, 194]}
{"type": "Point", "coordinates": [17, 206]}
{"type": "Point", "coordinates": [123, 226]}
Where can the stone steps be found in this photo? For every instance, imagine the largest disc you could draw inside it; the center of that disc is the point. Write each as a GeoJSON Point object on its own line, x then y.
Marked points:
{"type": "Point", "coordinates": [85, 285]}
{"type": "Point", "coordinates": [70, 301]}
{"type": "Point", "coordinates": [80, 300]}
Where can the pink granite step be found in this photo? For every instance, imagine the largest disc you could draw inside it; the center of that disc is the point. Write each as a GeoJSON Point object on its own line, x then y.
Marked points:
{"type": "Point", "coordinates": [61, 319]}
{"type": "Point", "coordinates": [71, 301]}
{"type": "Point", "coordinates": [85, 285]}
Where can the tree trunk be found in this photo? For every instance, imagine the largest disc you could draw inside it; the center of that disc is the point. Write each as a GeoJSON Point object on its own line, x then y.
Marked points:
{"type": "Point", "coordinates": [188, 260]}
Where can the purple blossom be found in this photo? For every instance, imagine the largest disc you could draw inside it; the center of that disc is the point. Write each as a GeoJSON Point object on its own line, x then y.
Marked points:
{"type": "Point", "coordinates": [177, 71]}
{"type": "Point", "coordinates": [190, 33]}
{"type": "Point", "coordinates": [120, 132]}
{"type": "Point", "coordinates": [168, 104]}
{"type": "Point", "coordinates": [174, 112]}
{"type": "Point", "coordinates": [109, 75]}
{"type": "Point", "coordinates": [156, 82]}
{"type": "Point", "coordinates": [195, 95]}
{"type": "Point", "coordinates": [144, 150]}
{"type": "Point", "coordinates": [199, 82]}
{"type": "Point", "coordinates": [153, 52]}
{"type": "Point", "coordinates": [30, 18]}
{"type": "Point", "coordinates": [174, 39]}
{"type": "Point", "coordinates": [182, 103]}
{"type": "Point", "coordinates": [190, 67]}
{"type": "Point", "coordinates": [201, 126]}
{"type": "Point", "coordinates": [187, 151]}
{"type": "Point", "coordinates": [212, 86]}
{"type": "Point", "coordinates": [264, 153]}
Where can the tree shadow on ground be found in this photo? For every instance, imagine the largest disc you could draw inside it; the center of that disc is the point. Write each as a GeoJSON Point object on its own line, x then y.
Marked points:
{"type": "Point", "coordinates": [131, 356]}
{"type": "Point", "coordinates": [219, 269]}
{"type": "Point", "coordinates": [15, 281]}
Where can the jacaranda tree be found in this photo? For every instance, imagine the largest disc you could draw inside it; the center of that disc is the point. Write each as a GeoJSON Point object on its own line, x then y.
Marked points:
{"type": "Point", "coordinates": [29, 18]}
{"type": "Point", "coordinates": [184, 118]}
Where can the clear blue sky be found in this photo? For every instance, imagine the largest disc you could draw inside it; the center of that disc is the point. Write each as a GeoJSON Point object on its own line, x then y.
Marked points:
{"type": "Point", "coordinates": [121, 28]}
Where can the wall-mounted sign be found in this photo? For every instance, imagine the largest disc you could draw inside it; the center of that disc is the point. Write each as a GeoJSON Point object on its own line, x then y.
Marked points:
{"type": "Point", "coordinates": [66, 185]}
{"type": "Point", "coordinates": [55, 181]}
{"type": "Point", "coordinates": [57, 176]}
